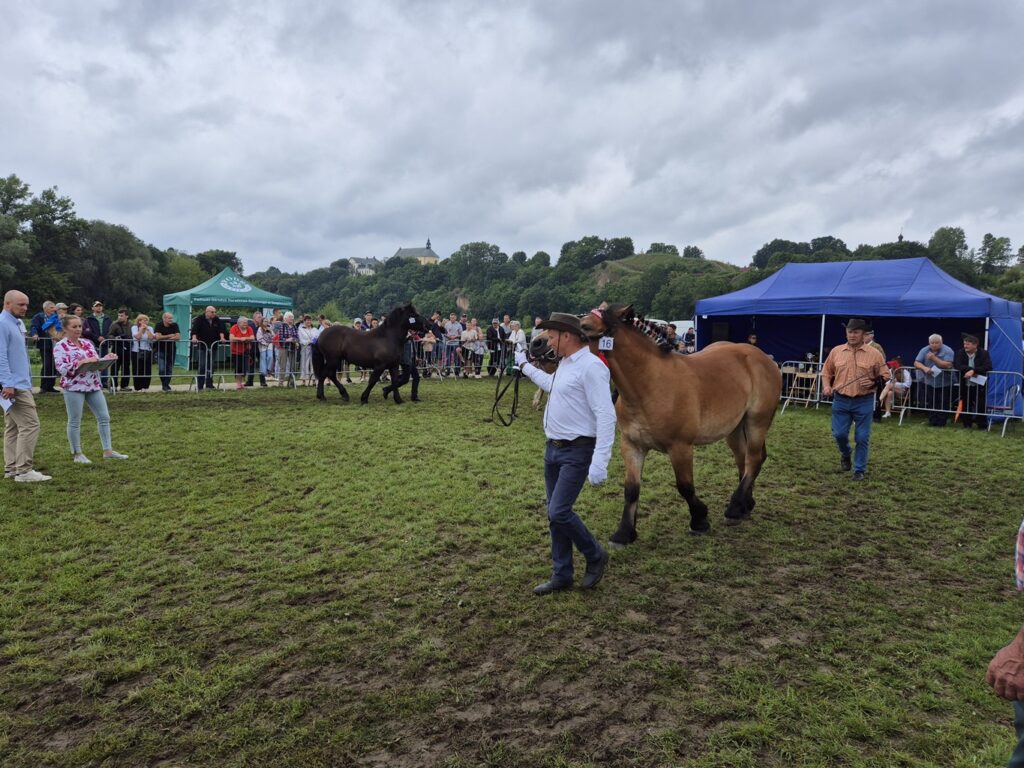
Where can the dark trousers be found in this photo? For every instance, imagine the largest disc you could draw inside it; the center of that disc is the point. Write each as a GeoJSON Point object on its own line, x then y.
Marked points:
{"type": "Point", "coordinates": [204, 365]}
{"type": "Point", "coordinates": [974, 405]}
{"type": "Point", "coordinates": [856, 411]}
{"type": "Point", "coordinates": [123, 366]}
{"type": "Point", "coordinates": [48, 373]}
{"type": "Point", "coordinates": [565, 471]}
{"type": "Point", "coordinates": [938, 399]}
{"type": "Point", "coordinates": [142, 368]}
{"type": "Point", "coordinates": [165, 362]}
{"type": "Point", "coordinates": [408, 372]}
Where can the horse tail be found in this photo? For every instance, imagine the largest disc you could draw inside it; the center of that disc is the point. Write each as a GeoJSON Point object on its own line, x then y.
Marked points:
{"type": "Point", "coordinates": [319, 362]}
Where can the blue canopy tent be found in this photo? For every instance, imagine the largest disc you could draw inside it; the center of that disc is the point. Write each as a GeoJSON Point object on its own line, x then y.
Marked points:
{"type": "Point", "coordinates": [801, 309]}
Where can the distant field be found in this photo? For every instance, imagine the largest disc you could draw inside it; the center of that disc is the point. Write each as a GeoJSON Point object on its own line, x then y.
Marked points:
{"type": "Point", "coordinates": [274, 581]}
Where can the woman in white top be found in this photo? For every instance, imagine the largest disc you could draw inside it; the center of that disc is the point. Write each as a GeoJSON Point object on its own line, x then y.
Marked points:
{"type": "Point", "coordinates": [307, 335]}
{"type": "Point", "coordinates": [82, 388]}
{"type": "Point", "coordinates": [472, 345]}
{"type": "Point", "coordinates": [142, 352]}
{"type": "Point", "coordinates": [516, 338]}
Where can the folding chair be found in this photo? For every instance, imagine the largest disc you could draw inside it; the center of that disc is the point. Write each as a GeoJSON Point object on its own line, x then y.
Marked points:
{"type": "Point", "coordinates": [1006, 410]}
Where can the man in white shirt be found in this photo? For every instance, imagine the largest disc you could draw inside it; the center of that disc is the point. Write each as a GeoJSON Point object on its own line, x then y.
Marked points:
{"type": "Point", "coordinates": [579, 423]}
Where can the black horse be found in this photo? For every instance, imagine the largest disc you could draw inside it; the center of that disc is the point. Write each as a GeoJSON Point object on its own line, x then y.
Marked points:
{"type": "Point", "coordinates": [379, 350]}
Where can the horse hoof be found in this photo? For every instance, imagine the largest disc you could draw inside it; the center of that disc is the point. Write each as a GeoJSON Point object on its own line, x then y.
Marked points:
{"type": "Point", "coordinates": [617, 545]}
{"type": "Point", "coordinates": [700, 531]}
{"type": "Point", "coordinates": [735, 520]}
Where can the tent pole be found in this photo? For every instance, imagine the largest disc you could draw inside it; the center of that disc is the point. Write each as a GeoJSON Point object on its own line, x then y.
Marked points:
{"type": "Point", "coordinates": [987, 320]}
{"type": "Point", "coordinates": [821, 341]}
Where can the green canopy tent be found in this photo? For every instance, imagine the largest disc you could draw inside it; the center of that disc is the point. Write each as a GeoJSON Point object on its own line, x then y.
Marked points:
{"type": "Point", "coordinates": [226, 289]}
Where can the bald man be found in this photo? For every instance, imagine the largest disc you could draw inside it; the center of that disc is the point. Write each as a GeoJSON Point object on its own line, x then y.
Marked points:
{"type": "Point", "coordinates": [207, 330]}
{"type": "Point", "coordinates": [21, 423]}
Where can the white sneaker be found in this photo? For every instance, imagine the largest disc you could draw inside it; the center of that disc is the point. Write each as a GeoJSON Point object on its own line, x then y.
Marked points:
{"type": "Point", "coordinates": [886, 415]}
{"type": "Point", "coordinates": [81, 458]}
{"type": "Point", "coordinates": [115, 455]}
{"type": "Point", "coordinates": [31, 477]}
{"type": "Point", "coordinates": [8, 475]}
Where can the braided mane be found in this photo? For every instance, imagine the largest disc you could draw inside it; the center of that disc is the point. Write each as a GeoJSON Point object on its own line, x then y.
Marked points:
{"type": "Point", "coordinates": [656, 332]}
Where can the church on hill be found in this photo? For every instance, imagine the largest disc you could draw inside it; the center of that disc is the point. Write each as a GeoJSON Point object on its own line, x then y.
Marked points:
{"type": "Point", "coordinates": [422, 255]}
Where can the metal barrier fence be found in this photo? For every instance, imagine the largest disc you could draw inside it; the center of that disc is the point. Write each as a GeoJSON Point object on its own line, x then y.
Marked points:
{"type": "Point", "coordinates": [995, 400]}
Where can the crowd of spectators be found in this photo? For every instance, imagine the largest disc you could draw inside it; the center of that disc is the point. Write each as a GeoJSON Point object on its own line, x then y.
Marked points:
{"type": "Point", "coordinates": [279, 349]}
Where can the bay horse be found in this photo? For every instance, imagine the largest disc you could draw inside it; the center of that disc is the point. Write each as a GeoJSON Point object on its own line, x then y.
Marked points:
{"type": "Point", "coordinates": [379, 350]}
{"type": "Point", "coordinates": [670, 402]}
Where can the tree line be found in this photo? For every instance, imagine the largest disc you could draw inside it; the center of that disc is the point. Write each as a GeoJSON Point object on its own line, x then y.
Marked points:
{"type": "Point", "coordinates": [48, 251]}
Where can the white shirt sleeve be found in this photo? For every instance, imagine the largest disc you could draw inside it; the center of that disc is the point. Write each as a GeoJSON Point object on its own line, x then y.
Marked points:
{"type": "Point", "coordinates": [541, 378]}
{"type": "Point", "coordinates": [599, 397]}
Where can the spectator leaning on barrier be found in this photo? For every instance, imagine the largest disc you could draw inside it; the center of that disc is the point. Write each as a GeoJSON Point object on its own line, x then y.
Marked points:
{"type": "Point", "coordinates": [265, 341]}
{"type": "Point", "coordinates": [287, 345]}
{"type": "Point", "coordinates": [206, 331]}
{"type": "Point", "coordinates": [119, 339]}
{"type": "Point", "coordinates": [516, 340]}
{"type": "Point", "coordinates": [496, 336]}
{"type": "Point", "coordinates": [307, 335]}
{"type": "Point", "coordinates": [973, 362]}
{"type": "Point", "coordinates": [242, 341]}
{"type": "Point", "coordinates": [143, 339]}
{"type": "Point", "coordinates": [452, 337]}
{"type": "Point", "coordinates": [21, 422]}
{"type": "Point", "coordinates": [935, 363]}
{"type": "Point", "coordinates": [849, 377]}
{"type": "Point", "coordinates": [255, 322]}
{"type": "Point", "coordinates": [41, 322]}
{"type": "Point", "coordinates": [97, 328]}
{"type": "Point", "coordinates": [167, 334]}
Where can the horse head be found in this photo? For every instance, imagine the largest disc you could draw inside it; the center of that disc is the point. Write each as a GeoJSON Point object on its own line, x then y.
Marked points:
{"type": "Point", "coordinates": [405, 317]}
{"type": "Point", "coordinates": [607, 320]}
{"type": "Point", "coordinates": [541, 353]}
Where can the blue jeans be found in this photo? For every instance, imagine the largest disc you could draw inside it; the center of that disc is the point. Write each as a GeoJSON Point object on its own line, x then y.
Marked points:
{"type": "Point", "coordinates": [859, 411]}
{"type": "Point", "coordinates": [205, 367]}
{"type": "Point", "coordinates": [267, 361]}
{"type": "Point", "coordinates": [565, 471]}
{"type": "Point", "coordinates": [73, 402]}
{"type": "Point", "coordinates": [1017, 758]}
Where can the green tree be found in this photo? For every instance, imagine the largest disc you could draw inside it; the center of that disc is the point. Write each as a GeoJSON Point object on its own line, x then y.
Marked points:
{"type": "Point", "coordinates": [994, 254]}
{"type": "Point", "coordinates": [692, 252]}
{"type": "Point", "coordinates": [766, 251]}
{"type": "Point", "coordinates": [663, 248]}
{"type": "Point", "coordinates": [215, 260]}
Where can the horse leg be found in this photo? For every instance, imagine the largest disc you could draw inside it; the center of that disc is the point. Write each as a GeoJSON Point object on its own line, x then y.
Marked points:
{"type": "Point", "coordinates": [396, 382]}
{"type": "Point", "coordinates": [334, 380]}
{"type": "Point", "coordinates": [374, 378]}
{"type": "Point", "coordinates": [633, 457]}
{"type": "Point", "coordinates": [681, 456]}
{"type": "Point", "coordinates": [748, 447]}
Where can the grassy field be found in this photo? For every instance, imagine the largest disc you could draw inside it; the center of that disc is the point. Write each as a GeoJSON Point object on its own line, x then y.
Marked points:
{"type": "Point", "coordinates": [274, 581]}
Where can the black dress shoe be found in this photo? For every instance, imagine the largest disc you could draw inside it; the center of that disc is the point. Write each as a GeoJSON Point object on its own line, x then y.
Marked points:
{"type": "Point", "coordinates": [858, 475]}
{"type": "Point", "coordinates": [845, 464]}
{"type": "Point", "coordinates": [595, 571]}
{"type": "Point", "coordinates": [552, 586]}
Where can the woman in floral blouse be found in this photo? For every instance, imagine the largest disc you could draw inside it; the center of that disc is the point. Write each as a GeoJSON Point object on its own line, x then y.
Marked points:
{"type": "Point", "coordinates": [82, 388]}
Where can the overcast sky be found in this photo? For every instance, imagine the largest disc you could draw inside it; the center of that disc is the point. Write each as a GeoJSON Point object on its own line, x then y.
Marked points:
{"type": "Point", "coordinates": [297, 133]}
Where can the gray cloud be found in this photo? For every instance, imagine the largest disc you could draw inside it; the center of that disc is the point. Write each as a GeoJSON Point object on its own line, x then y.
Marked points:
{"type": "Point", "coordinates": [300, 133]}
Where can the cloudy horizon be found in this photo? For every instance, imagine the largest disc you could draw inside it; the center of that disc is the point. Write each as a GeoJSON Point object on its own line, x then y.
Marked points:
{"type": "Point", "coordinates": [297, 134]}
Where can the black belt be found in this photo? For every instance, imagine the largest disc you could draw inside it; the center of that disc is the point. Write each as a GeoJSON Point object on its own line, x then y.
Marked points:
{"type": "Point", "coordinates": [855, 397]}
{"type": "Point", "coordinates": [574, 441]}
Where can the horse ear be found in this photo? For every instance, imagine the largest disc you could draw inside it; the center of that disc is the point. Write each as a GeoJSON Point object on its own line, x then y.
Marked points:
{"type": "Point", "coordinates": [626, 312]}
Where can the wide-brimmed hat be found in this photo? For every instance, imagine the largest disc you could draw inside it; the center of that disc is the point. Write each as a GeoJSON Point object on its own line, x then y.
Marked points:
{"type": "Point", "coordinates": [856, 324]}
{"type": "Point", "coordinates": [562, 321]}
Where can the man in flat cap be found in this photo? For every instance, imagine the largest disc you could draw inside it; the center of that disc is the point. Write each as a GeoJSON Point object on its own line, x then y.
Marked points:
{"type": "Point", "coordinates": [579, 423]}
{"type": "Point", "coordinates": [974, 365]}
{"type": "Point", "coordinates": [849, 377]}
